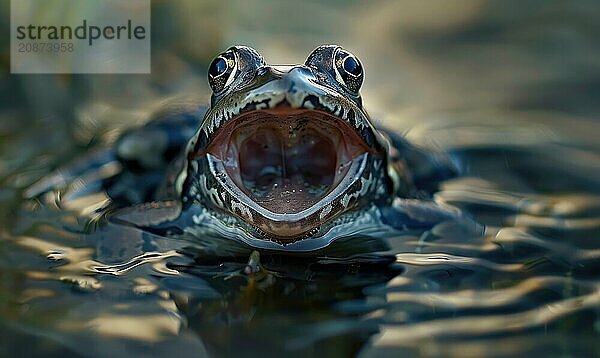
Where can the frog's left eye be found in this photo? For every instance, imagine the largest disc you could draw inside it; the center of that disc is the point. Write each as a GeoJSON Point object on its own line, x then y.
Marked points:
{"type": "Point", "coordinates": [221, 71]}
{"type": "Point", "coordinates": [348, 70]}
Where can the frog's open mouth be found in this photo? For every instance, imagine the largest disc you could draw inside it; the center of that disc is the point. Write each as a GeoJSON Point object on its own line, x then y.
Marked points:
{"type": "Point", "coordinates": [286, 160]}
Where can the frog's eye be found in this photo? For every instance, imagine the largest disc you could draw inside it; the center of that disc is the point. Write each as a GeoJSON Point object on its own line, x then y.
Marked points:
{"type": "Point", "coordinates": [348, 70]}
{"type": "Point", "coordinates": [221, 71]}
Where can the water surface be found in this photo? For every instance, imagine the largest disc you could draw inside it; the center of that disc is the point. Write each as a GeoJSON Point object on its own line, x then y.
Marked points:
{"type": "Point", "coordinates": [508, 89]}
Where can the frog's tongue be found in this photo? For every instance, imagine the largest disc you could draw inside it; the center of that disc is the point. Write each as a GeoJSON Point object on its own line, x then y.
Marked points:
{"type": "Point", "coordinates": [287, 163]}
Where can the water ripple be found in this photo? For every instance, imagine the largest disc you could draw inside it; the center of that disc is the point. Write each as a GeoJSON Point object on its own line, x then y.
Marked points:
{"type": "Point", "coordinates": [443, 258]}
{"type": "Point", "coordinates": [407, 334]}
{"type": "Point", "coordinates": [147, 257]}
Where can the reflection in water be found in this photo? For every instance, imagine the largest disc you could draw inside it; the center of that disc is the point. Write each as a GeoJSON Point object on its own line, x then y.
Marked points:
{"type": "Point", "coordinates": [508, 91]}
{"type": "Point", "coordinates": [147, 257]}
{"type": "Point", "coordinates": [449, 284]}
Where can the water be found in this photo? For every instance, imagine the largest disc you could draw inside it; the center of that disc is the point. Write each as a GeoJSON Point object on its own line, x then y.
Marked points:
{"type": "Point", "coordinates": [508, 89]}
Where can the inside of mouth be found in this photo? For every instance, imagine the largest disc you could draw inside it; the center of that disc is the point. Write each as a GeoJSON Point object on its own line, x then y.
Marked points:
{"type": "Point", "coordinates": [287, 162]}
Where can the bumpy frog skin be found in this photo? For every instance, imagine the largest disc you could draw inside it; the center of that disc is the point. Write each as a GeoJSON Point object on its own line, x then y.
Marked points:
{"type": "Point", "coordinates": [284, 158]}
{"type": "Point", "coordinates": [286, 149]}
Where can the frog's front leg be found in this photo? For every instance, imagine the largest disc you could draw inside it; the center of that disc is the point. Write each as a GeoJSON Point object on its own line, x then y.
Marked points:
{"type": "Point", "coordinates": [411, 214]}
{"type": "Point", "coordinates": [150, 156]}
{"type": "Point", "coordinates": [427, 168]}
{"type": "Point", "coordinates": [133, 168]}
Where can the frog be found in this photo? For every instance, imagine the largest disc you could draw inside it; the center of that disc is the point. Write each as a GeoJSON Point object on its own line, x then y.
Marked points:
{"type": "Point", "coordinates": [283, 158]}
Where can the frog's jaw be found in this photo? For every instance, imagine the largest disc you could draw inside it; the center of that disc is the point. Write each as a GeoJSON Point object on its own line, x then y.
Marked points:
{"type": "Point", "coordinates": [286, 159]}
{"type": "Point", "coordinates": [283, 226]}
{"type": "Point", "coordinates": [213, 180]}
{"type": "Point", "coordinates": [221, 176]}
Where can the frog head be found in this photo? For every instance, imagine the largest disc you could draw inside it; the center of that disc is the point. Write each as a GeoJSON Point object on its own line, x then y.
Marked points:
{"type": "Point", "coordinates": [286, 150]}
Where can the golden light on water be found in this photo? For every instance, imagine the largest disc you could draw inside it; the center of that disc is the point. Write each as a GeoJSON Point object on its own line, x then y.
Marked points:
{"type": "Point", "coordinates": [507, 90]}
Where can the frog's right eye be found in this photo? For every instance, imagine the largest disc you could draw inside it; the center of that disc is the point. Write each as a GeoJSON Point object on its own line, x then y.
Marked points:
{"type": "Point", "coordinates": [221, 71]}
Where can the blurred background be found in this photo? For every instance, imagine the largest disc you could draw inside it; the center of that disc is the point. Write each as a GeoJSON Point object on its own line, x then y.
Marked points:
{"type": "Point", "coordinates": [465, 77]}
{"type": "Point", "coordinates": [532, 66]}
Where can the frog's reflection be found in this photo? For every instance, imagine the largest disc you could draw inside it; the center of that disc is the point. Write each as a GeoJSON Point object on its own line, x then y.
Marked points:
{"type": "Point", "coordinates": [133, 289]}
{"type": "Point", "coordinates": [276, 303]}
